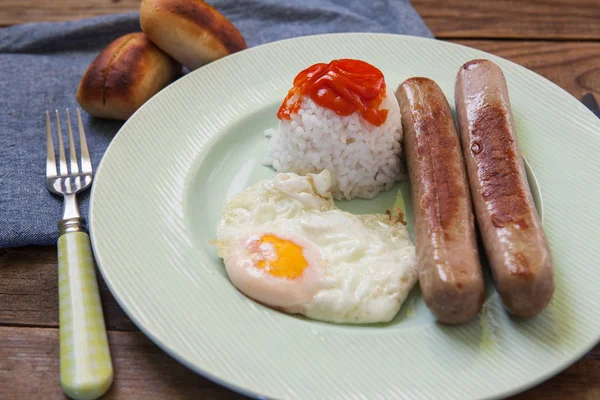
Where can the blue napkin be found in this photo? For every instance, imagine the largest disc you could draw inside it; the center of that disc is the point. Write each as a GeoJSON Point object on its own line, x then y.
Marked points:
{"type": "Point", "coordinates": [41, 65]}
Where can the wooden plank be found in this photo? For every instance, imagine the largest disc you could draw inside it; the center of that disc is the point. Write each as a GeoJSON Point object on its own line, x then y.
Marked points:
{"type": "Point", "coordinates": [532, 19]}
{"type": "Point", "coordinates": [581, 381]}
{"type": "Point", "coordinates": [22, 11]}
{"type": "Point", "coordinates": [574, 66]}
{"type": "Point", "coordinates": [29, 290]}
{"type": "Point", "coordinates": [29, 369]}
{"type": "Point", "coordinates": [521, 19]}
{"type": "Point", "coordinates": [28, 285]}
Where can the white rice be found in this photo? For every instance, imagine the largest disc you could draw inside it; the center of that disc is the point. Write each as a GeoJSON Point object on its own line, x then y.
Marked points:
{"type": "Point", "coordinates": [363, 159]}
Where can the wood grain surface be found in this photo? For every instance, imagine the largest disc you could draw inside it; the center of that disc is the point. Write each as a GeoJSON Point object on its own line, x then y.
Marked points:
{"type": "Point", "coordinates": [527, 19]}
{"type": "Point", "coordinates": [559, 39]}
{"type": "Point", "coordinates": [515, 19]}
{"type": "Point", "coordinates": [21, 11]}
{"type": "Point", "coordinates": [29, 291]}
{"type": "Point", "coordinates": [574, 66]}
{"type": "Point", "coordinates": [29, 370]}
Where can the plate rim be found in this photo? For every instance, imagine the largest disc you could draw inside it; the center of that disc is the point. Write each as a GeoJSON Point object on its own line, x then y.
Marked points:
{"type": "Point", "coordinates": [566, 362]}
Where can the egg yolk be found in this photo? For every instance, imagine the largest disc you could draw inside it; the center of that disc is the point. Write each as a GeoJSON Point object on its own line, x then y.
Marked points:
{"type": "Point", "coordinates": [288, 261]}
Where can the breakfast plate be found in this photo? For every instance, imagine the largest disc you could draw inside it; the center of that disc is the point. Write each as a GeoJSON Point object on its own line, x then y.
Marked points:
{"type": "Point", "coordinates": [164, 179]}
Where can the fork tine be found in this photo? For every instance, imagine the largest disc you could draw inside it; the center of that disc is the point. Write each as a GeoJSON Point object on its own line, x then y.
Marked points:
{"type": "Point", "coordinates": [72, 153]}
{"type": "Point", "coordinates": [50, 158]}
{"type": "Point", "coordinates": [61, 148]}
{"type": "Point", "coordinates": [86, 164]}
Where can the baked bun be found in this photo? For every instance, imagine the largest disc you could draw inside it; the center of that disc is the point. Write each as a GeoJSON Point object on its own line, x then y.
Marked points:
{"type": "Point", "coordinates": [190, 31]}
{"type": "Point", "coordinates": [127, 73]}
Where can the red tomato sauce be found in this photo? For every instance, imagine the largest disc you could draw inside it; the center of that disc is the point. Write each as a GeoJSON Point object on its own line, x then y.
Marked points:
{"type": "Point", "coordinates": [345, 86]}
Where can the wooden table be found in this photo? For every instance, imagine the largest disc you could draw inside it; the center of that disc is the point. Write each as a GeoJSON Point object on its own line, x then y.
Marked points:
{"type": "Point", "coordinates": [559, 39]}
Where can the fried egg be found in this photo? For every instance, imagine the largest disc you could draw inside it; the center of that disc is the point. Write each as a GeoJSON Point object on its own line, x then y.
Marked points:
{"type": "Point", "coordinates": [285, 244]}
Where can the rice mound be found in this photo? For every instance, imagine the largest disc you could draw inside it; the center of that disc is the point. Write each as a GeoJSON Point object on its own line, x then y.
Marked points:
{"type": "Point", "coordinates": [363, 159]}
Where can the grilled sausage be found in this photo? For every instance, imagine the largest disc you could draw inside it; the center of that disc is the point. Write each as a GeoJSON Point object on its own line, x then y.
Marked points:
{"type": "Point", "coordinates": [512, 233]}
{"type": "Point", "coordinates": [449, 269]}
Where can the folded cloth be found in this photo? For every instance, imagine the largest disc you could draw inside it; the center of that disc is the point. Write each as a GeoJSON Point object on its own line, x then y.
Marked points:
{"type": "Point", "coordinates": [41, 65]}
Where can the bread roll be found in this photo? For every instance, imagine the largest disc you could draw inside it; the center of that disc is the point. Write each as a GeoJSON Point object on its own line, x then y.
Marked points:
{"type": "Point", "coordinates": [124, 76]}
{"type": "Point", "coordinates": [191, 31]}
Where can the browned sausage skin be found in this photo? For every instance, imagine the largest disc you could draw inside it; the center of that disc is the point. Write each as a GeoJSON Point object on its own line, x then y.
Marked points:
{"type": "Point", "coordinates": [508, 221]}
{"type": "Point", "coordinates": [449, 270]}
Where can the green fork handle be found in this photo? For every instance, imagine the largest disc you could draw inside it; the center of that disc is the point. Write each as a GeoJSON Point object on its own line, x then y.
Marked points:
{"type": "Point", "coordinates": [86, 370]}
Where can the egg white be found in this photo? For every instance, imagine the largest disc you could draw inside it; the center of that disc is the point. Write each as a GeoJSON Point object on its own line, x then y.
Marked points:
{"type": "Point", "coordinates": [360, 267]}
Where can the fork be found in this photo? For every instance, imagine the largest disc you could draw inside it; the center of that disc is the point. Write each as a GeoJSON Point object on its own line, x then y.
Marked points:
{"type": "Point", "coordinates": [86, 370]}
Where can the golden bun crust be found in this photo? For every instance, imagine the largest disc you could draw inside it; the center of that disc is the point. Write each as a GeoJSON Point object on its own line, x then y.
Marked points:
{"type": "Point", "coordinates": [126, 74]}
{"type": "Point", "coordinates": [190, 31]}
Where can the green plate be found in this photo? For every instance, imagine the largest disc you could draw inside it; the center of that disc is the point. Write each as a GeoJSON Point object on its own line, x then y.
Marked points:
{"type": "Point", "coordinates": [159, 191]}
